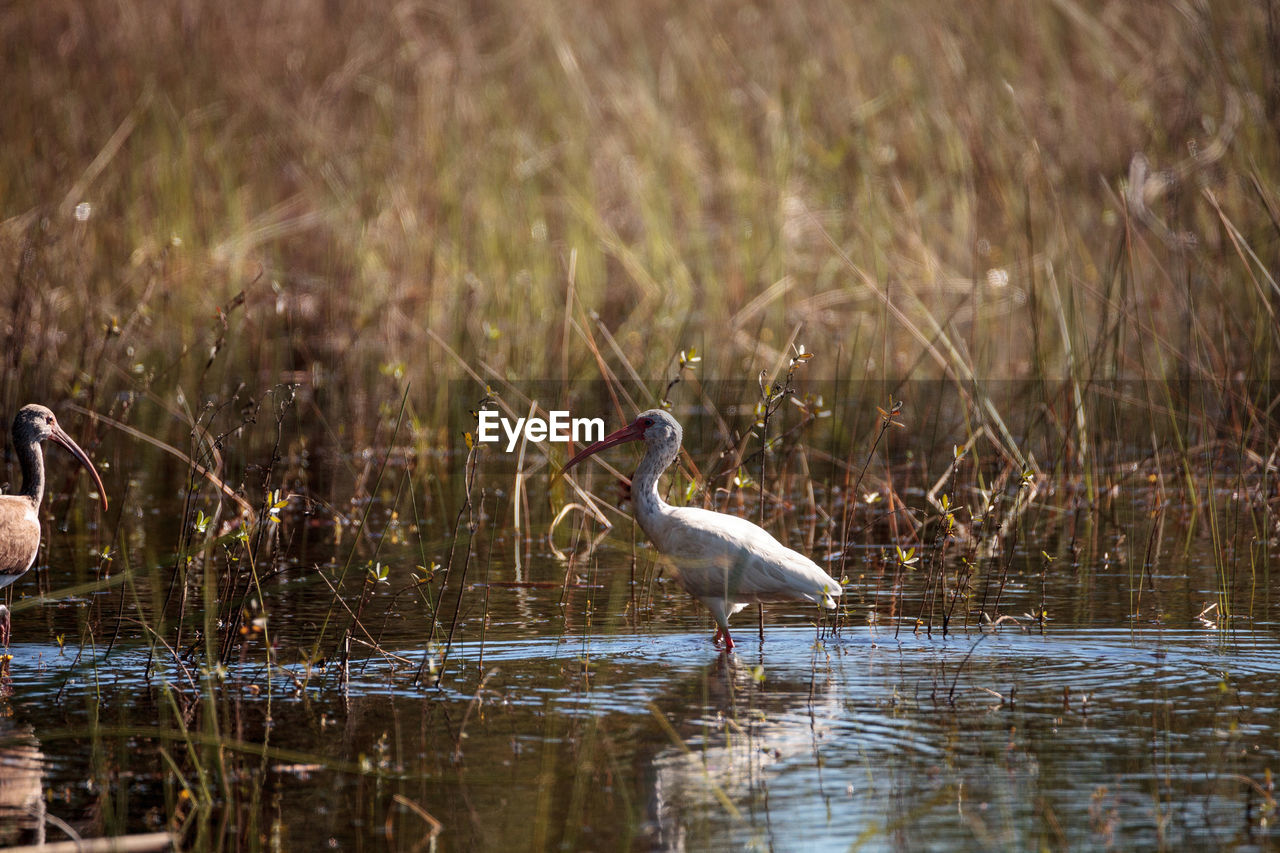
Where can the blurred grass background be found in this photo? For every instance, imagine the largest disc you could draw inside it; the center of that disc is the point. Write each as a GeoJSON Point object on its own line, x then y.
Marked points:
{"type": "Point", "coordinates": [975, 191]}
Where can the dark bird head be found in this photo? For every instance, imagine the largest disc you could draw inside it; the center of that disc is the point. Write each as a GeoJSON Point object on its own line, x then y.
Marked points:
{"type": "Point", "coordinates": [36, 423]}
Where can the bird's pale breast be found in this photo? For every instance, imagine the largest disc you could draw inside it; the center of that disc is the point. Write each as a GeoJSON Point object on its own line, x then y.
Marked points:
{"type": "Point", "coordinates": [19, 537]}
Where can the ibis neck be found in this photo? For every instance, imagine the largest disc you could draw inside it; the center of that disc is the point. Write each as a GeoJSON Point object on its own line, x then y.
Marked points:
{"type": "Point", "coordinates": [32, 461]}
{"type": "Point", "coordinates": [648, 503]}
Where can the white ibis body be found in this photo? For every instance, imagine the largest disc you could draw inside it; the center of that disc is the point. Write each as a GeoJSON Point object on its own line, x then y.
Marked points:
{"type": "Point", "coordinates": [19, 514]}
{"type": "Point", "coordinates": [724, 561]}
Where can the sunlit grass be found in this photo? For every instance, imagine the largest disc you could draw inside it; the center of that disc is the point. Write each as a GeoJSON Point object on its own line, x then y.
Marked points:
{"type": "Point", "coordinates": [929, 192]}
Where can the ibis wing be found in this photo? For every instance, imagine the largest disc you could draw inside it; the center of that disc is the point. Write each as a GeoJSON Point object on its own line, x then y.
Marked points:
{"type": "Point", "coordinates": [723, 556]}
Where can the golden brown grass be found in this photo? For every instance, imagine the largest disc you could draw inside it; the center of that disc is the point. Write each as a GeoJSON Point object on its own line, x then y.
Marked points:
{"type": "Point", "coordinates": [923, 190]}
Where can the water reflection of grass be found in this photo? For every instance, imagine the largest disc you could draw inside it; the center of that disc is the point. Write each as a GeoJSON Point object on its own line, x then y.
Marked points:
{"type": "Point", "coordinates": [295, 249]}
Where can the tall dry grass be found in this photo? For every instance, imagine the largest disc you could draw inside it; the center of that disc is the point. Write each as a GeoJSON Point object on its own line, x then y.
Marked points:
{"type": "Point", "coordinates": [929, 191]}
{"type": "Point", "coordinates": [199, 204]}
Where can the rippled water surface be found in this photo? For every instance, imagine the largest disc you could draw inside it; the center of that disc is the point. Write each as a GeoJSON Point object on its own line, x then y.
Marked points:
{"type": "Point", "coordinates": [378, 682]}
{"type": "Point", "coordinates": [562, 720]}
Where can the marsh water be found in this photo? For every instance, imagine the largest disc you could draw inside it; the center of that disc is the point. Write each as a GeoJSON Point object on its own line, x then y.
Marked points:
{"type": "Point", "coordinates": [575, 704]}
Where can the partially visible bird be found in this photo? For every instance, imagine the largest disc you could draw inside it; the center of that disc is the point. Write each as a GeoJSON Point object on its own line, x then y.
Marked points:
{"type": "Point", "coordinates": [19, 514]}
{"type": "Point", "coordinates": [724, 561]}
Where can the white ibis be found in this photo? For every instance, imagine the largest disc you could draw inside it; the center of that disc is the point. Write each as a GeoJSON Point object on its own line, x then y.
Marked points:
{"type": "Point", "coordinates": [19, 514]}
{"type": "Point", "coordinates": [724, 561]}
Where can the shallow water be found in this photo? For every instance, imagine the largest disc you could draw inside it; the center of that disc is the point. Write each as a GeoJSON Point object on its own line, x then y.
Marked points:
{"type": "Point", "coordinates": [556, 733]}
{"type": "Point", "coordinates": [582, 705]}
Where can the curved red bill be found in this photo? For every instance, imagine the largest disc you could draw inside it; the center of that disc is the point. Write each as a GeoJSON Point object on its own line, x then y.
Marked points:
{"type": "Point", "coordinates": [74, 449]}
{"type": "Point", "coordinates": [632, 432]}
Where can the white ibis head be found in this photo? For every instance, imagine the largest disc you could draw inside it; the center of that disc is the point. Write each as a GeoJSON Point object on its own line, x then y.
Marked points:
{"type": "Point", "coordinates": [656, 428]}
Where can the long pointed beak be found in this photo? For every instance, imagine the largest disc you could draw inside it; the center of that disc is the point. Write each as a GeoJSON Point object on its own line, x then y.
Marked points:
{"type": "Point", "coordinates": [83, 458]}
{"type": "Point", "coordinates": [633, 432]}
